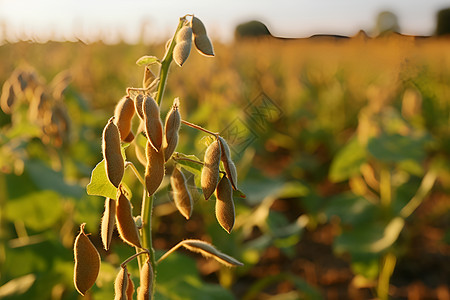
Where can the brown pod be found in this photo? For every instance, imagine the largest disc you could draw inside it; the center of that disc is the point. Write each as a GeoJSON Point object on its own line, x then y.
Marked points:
{"type": "Point", "coordinates": [125, 222]}
{"type": "Point", "coordinates": [171, 128]}
{"type": "Point", "coordinates": [153, 124]}
{"type": "Point", "coordinates": [146, 282]}
{"type": "Point", "coordinates": [108, 222]}
{"type": "Point", "coordinates": [123, 114]}
{"type": "Point", "coordinates": [87, 262]}
{"type": "Point", "coordinates": [224, 204]}
{"type": "Point", "coordinates": [121, 284]}
{"type": "Point", "coordinates": [154, 170]}
{"type": "Point", "coordinates": [230, 167]}
{"type": "Point", "coordinates": [183, 47]}
{"type": "Point", "coordinates": [148, 77]}
{"type": "Point", "coordinates": [112, 154]}
{"type": "Point", "coordinates": [39, 105]}
{"type": "Point", "coordinates": [8, 97]}
{"type": "Point", "coordinates": [210, 170]}
{"type": "Point", "coordinates": [204, 45]}
{"type": "Point", "coordinates": [138, 100]}
{"type": "Point", "coordinates": [181, 195]}
{"type": "Point", "coordinates": [130, 288]}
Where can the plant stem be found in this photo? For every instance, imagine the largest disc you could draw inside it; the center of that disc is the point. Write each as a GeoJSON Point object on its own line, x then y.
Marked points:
{"type": "Point", "coordinates": [385, 187]}
{"type": "Point", "coordinates": [388, 264]}
{"type": "Point", "coordinates": [199, 128]}
{"type": "Point", "coordinates": [165, 64]}
{"type": "Point", "coordinates": [425, 187]}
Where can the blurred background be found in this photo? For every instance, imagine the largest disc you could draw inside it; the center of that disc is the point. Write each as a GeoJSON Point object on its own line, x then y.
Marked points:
{"type": "Point", "coordinates": [337, 114]}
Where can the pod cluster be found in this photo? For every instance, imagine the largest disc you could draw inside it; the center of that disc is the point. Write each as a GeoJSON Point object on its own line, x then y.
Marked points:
{"type": "Point", "coordinates": [44, 103]}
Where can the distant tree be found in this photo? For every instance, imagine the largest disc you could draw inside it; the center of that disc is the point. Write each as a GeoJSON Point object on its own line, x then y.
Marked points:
{"type": "Point", "coordinates": [443, 22]}
{"type": "Point", "coordinates": [387, 22]}
{"type": "Point", "coordinates": [251, 29]}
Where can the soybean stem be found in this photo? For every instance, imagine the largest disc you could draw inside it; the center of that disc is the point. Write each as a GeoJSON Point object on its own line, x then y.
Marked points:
{"type": "Point", "coordinates": [199, 128]}
{"type": "Point", "coordinates": [135, 171]}
{"type": "Point", "coordinates": [169, 252]}
{"type": "Point", "coordinates": [165, 64]}
{"type": "Point", "coordinates": [133, 256]}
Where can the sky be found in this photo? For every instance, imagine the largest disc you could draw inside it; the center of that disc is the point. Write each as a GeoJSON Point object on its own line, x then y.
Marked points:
{"type": "Point", "coordinates": [123, 19]}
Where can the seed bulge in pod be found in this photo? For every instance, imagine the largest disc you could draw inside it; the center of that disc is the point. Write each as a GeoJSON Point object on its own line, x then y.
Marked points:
{"type": "Point", "coordinates": [125, 222]}
{"type": "Point", "coordinates": [171, 128]}
{"type": "Point", "coordinates": [183, 47]}
{"type": "Point", "coordinates": [152, 120]}
{"type": "Point", "coordinates": [201, 39]}
{"type": "Point", "coordinates": [87, 262]}
{"type": "Point", "coordinates": [154, 170]}
{"type": "Point", "coordinates": [181, 195]}
{"type": "Point", "coordinates": [130, 288]}
{"type": "Point", "coordinates": [112, 154]}
{"type": "Point", "coordinates": [121, 284]}
{"type": "Point", "coordinates": [230, 167]}
{"type": "Point", "coordinates": [8, 97]}
{"type": "Point", "coordinates": [146, 282]}
{"type": "Point", "coordinates": [224, 204]}
{"type": "Point", "coordinates": [108, 222]}
{"type": "Point", "coordinates": [198, 28]}
{"type": "Point", "coordinates": [210, 170]}
{"type": "Point", "coordinates": [123, 114]}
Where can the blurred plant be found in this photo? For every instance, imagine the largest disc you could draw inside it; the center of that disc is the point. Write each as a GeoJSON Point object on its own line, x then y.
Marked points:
{"type": "Point", "coordinates": [217, 173]}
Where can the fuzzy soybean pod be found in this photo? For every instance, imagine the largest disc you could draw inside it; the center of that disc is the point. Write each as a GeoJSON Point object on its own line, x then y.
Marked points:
{"type": "Point", "coordinates": [108, 222]}
{"type": "Point", "coordinates": [183, 46]}
{"type": "Point", "coordinates": [201, 39]}
{"type": "Point", "coordinates": [152, 120]}
{"type": "Point", "coordinates": [138, 100]}
{"type": "Point", "coordinates": [181, 195]}
{"type": "Point", "coordinates": [8, 97]}
{"type": "Point", "coordinates": [87, 262]}
{"type": "Point", "coordinates": [146, 282]}
{"type": "Point", "coordinates": [171, 128]}
{"type": "Point", "coordinates": [123, 114]}
{"type": "Point", "coordinates": [230, 167]}
{"type": "Point", "coordinates": [125, 222]}
{"type": "Point", "coordinates": [121, 284]}
{"type": "Point", "coordinates": [112, 154]}
{"type": "Point", "coordinates": [224, 204]}
{"type": "Point", "coordinates": [210, 170]}
{"type": "Point", "coordinates": [154, 170]}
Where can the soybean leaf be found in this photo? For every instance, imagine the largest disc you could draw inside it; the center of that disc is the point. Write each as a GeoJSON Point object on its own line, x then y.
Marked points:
{"type": "Point", "coordinates": [47, 179]}
{"type": "Point", "coordinates": [396, 148]}
{"type": "Point", "coordinates": [351, 209]}
{"type": "Point", "coordinates": [188, 163]}
{"type": "Point", "coordinates": [38, 210]}
{"type": "Point", "coordinates": [100, 184]}
{"type": "Point", "coordinates": [347, 161]}
{"type": "Point", "coordinates": [147, 60]}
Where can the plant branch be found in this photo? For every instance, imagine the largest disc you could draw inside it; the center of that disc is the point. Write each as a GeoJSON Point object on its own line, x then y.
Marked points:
{"type": "Point", "coordinates": [424, 188]}
{"type": "Point", "coordinates": [135, 171]}
{"type": "Point", "coordinates": [199, 128]}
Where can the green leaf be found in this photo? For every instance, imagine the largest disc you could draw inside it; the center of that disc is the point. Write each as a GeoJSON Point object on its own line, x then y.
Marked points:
{"type": "Point", "coordinates": [350, 208]}
{"type": "Point", "coordinates": [369, 238]}
{"type": "Point", "coordinates": [47, 179]}
{"type": "Point", "coordinates": [396, 148]}
{"type": "Point", "coordinates": [38, 210]}
{"type": "Point", "coordinates": [347, 161]}
{"type": "Point", "coordinates": [147, 60]}
{"type": "Point", "coordinates": [100, 184]}
{"type": "Point", "coordinates": [189, 165]}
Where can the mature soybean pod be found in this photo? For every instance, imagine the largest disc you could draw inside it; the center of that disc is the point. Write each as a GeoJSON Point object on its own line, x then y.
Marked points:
{"type": "Point", "coordinates": [108, 222]}
{"type": "Point", "coordinates": [125, 222]}
{"type": "Point", "coordinates": [87, 262]}
{"type": "Point", "coordinates": [123, 114]}
{"type": "Point", "coordinates": [152, 120]}
{"type": "Point", "coordinates": [181, 195]}
{"type": "Point", "coordinates": [183, 46]}
{"type": "Point", "coordinates": [146, 282]}
{"type": "Point", "coordinates": [224, 204]}
{"type": "Point", "coordinates": [210, 170]}
{"type": "Point", "coordinates": [171, 128]}
{"type": "Point", "coordinates": [8, 97]}
{"type": "Point", "coordinates": [201, 39]}
{"type": "Point", "coordinates": [112, 154]}
{"type": "Point", "coordinates": [121, 284]}
{"type": "Point", "coordinates": [154, 170]}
